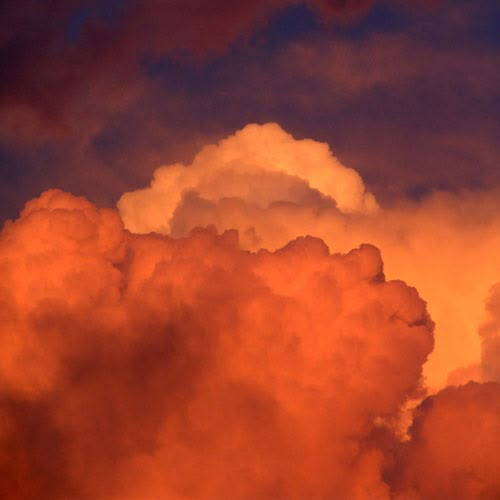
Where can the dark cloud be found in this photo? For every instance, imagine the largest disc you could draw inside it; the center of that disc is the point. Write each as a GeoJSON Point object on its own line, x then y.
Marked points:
{"type": "Point", "coordinates": [54, 54]}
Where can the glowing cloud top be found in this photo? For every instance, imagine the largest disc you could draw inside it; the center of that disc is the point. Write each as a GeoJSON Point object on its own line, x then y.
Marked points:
{"type": "Point", "coordinates": [259, 164]}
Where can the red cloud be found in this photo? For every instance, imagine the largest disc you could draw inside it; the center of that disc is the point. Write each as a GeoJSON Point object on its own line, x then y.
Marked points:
{"type": "Point", "coordinates": [140, 366]}
{"type": "Point", "coordinates": [453, 452]}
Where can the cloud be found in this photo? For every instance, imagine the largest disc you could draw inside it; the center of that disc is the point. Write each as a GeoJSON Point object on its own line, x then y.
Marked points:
{"type": "Point", "coordinates": [146, 366]}
{"type": "Point", "coordinates": [240, 183]}
{"type": "Point", "coordinates": [453, 452]}
{"type": "Point", "coordinates": [258, 165]}
{"type": "Point", "coordinates": [391, 104]}
{"type": "Point", "coordinates": [488, 367]}
{"type": "Point", "coordinates": [490, 336]}
{"type": "Point", "coordinates": [57, 55]}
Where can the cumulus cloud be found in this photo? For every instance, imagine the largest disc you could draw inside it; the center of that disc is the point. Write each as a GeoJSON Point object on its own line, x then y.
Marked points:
{"type": "Point", "coordinates": [453, 451]}
{"type": "Point", "coordinates": [273, 188]}
{"type": "Point", "coordinates": [141, 366]}
{"type": "Point", "coordinates": [259, 164]}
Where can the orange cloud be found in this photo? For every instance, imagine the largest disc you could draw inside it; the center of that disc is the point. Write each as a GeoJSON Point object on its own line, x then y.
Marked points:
{"type": "Point", "coordinates": [141, 366]}
{"type": "Point", "coordinates": [490, 336]}
{"type": "Point", "coordinates": [259, 164]}
{"type": "Point", "coordinates": [453, 452]}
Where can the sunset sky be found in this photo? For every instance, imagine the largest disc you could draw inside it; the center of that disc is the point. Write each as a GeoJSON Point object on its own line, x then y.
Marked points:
{"type": "Point", "coordinates": [250, 249]}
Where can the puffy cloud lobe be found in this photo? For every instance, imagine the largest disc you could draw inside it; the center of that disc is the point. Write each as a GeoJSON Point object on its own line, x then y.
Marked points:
{"type": "Point", "coordinates": [453, 452]}
{"type": "Point", "coordinates": [141, 366]}
{"type": "Point", "coordinates": [259, 164]}
{"type": "Point", "coordinates": [64, 241]}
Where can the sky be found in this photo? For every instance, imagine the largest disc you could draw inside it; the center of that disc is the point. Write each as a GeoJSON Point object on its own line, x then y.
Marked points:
{"type": "Point", "coordinates": [250, 249]}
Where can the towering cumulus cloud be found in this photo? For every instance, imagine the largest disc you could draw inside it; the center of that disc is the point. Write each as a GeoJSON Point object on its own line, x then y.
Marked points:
{"type": "Point", "coordinates": [273, 188]}
{"type": "Point", "coordinates": [258, 165]}
{"type": "Point", "coordinates": [140, 366]}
